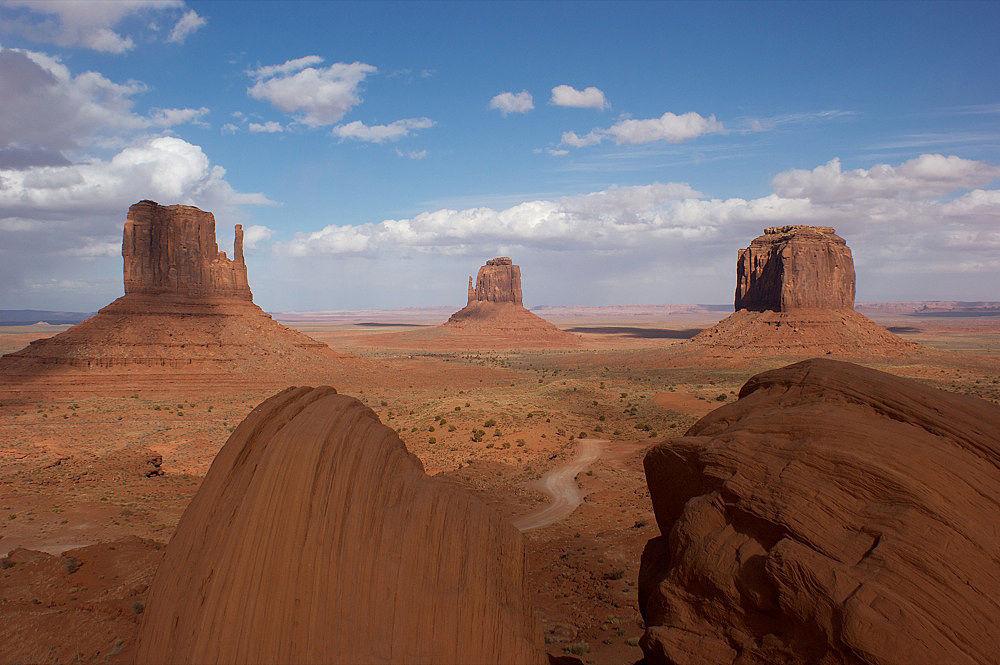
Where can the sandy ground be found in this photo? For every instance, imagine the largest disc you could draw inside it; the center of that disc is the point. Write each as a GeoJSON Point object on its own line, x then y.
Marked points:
{"type": "Point", "coordinates": [73, 468]}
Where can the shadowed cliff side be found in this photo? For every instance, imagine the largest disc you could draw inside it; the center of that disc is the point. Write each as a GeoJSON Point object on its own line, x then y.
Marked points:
{"type": "Point", "coordinates": [833, 514]}
{"type": "Point", "coordinates": [317, 538]}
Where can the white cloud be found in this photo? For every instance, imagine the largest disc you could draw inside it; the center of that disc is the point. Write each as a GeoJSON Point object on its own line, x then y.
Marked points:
{"type": "Point", "coordinates": [669, 127]}
{"type": "Point", "coordinates": [381, 133]}
{"type": "Point", "coordinates": [229, 128]}
{"type": "Point", "coordinates": [256, 234]}
{"type": "Point", "coordinates": [269, 127]}
{"type": "Point", "coordinates": [588, 98]}
{"type": "Point", "coordinates": [46, 106]}
{"type": "Point", "coordinates": [321, 95]}
{"type": "Point", "coordinates": [557, 153]}
{"type": "Point", "coordinates": [411, 154]}
{"type": "Point", "coordinates": [772, 122]}
{"type": "Point", "coordinates": [187, 24]}
{"type": "Point", "coordinates": [87, 24]}
{"type": "Point", "coordinates": [512, 102]}
{"type": "Point", "coordinates": [924, 176]}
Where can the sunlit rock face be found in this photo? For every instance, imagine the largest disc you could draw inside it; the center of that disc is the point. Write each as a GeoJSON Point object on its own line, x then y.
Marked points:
{"type": "Point", "coordinates": [833, 514]}
{"type": "Point", "coordinates": [316, 537]}
{"type": "Point", "coordinates": [795, 267]}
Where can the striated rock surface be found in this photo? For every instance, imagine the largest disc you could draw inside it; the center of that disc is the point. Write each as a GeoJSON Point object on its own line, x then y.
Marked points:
{"type": "Point", "coordinates": [795, 295]}
{"type": "Point", "coordinates": [795, 267]}
{"type": "Point", "coordinates": [187, 316]}
{"type": "Point", "coordinates": [317, 538]}
{"type": "Point", "coordinates": [172, 250]}
{"type": "Point", "coordinates": [834, 514]}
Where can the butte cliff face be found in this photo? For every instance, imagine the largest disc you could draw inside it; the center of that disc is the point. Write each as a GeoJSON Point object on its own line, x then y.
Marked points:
{"type": "Point", "coordinates": [795, 267]}
{"type": "Point", "coordinates": [495, 314]}
{"type": "Point", "coordinates": [795, 295]}
{"type": "Point", "coordinates": [187, 317]}
{"type": "Point", "coordinates": [317, 538]}
{"type": "Point", "coordinates": [833, 514]}
{"type": "Point", "coordinates": [172, 250]}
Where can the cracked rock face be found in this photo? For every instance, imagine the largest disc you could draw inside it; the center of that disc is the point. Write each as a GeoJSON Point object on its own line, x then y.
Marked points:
{"type": "Point", "coordinates": [498, 281]}
{"type": "Point", "coordinates": [833, 514]}
{"type": "Point", "coordinates": [795, 267]}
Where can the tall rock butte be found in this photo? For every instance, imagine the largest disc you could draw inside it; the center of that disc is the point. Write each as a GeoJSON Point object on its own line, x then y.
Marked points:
{"type": "Point", "coordinates": [187, 316]}
{"type": "Point", "coordinates": [795, 267]}
{"type": "Point", "coordinates": [316, 537]}
{"type": "Point", "coordinates": [171, 250]}
{"type": "Point", "coordinates": [795, 294]}
{"type": "Point", "coordinates": [495, 315]}
{"type": "Point", "coordinates": [833, 514]}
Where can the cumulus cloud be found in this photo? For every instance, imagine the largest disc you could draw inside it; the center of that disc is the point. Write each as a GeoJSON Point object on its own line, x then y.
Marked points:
{"type": "Point", "coordinates": [924, 176]}
{"type": "Point", "coordinates": [512, 102]}
{"type": "Point", "coordinates": [411, 154]}
{"type": "Point", "coordinates": [269, 127]}
{"type": "Point", "coordinates": [256, 234]}
{"type": "Point", "coordinates": [47, 107]}
{"type": "Point", "coordinates": [923, 217]}
{"type": "Point", "coordinates": [318, 95]}
{"type": "Point", "coordinates": [186, 24]}
{"type": "Point", "coordinates": [669, 127]}
{"type": "Point", "coordinates": [588, 98]}
{"type": "Point", "coordinates": [381, 133]}
{"type": "Point", "coordinates": [91, 24]}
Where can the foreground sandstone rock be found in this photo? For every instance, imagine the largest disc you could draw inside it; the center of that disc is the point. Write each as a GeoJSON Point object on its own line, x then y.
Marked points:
{"type": "Point", "coordinates": [795, 295]}
{"type": "Point", "coordinates": [495, 312]}
{"type": "Point", "coordinates": [317, 538]}
{"type": "Point", "coordinates": [187, 316]}
{"type": "Point", "coordinates": [833, 514]}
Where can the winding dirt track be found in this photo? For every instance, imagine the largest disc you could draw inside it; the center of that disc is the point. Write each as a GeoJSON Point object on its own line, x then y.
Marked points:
{"type": "Point", "coordinates": [560, 484]}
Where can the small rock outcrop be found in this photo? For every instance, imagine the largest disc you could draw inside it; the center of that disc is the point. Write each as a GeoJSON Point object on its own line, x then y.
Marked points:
{"type": "Point", "coordinates": [317, 538]}
{"type": "Point", "coordinates": [795, 295]}
{"type": "Point", "coordinates": [833, 514]}
{"type": "Point", "coordinates": [187, 316]}
{"type": "Point", "coordinates": [172, 250]}
{"type": "Point", "coordinates": [795, 267]}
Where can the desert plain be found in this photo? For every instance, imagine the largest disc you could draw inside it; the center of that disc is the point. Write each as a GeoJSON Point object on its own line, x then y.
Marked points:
{"type": "Point", "coordinates": [94, 478]}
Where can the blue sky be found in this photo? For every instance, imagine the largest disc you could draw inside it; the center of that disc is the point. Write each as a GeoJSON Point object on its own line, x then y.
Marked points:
{"type": "Point", "coordinates": [378, 153]}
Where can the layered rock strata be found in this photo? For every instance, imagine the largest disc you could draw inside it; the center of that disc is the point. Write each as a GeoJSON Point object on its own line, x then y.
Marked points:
{"type": "Point", "coordinates": [795, 295]}
{"type": "Point", "coordinates": [187, 313]}
{"type": "Point", "coordinates": [833, 514]}
{"type": "Point", "coordinates": [498, 281]}
{"type": "Point", "coordinates": [795, 267]}
{"type": "Point", "coordinates": [317, 538]}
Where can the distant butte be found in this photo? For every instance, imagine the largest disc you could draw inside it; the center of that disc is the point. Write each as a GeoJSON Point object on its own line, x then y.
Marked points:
{"type": "Point", "coordinates": [795, 294]}
{"type": "Point", "coordinates": [187, 316]}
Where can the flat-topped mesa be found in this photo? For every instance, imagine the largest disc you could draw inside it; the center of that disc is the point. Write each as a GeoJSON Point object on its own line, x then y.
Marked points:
{"type": "Point", "coordinates": [498, 281]}
{"type": "Point", "coordinates": [795, 267]}
{"type": "Point", "coordinates": [171, 250]}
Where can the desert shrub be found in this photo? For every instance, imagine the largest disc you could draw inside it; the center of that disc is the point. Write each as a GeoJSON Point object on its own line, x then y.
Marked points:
{"type": "Point", "coordinates": [632, 641]}
{"type": "Point", "coordinates": [138, 607]}
{"type": "Point", "coordinates": [6, 563]}
{"type": "Point", "coordinates": [720, 398]}
{"type": "Point", "coordinates": [72, 564]}
{"type": "Point", "coordinates": [490, 423]}
{"type": "Point", "coordinates": [601, 418]}
{"type": "Point", "coordinates": [451, 428]}
{"type": "Point", "coordinates": [458, 408]}
{"type": "Point", "coordinates": [583, 435]}
{"type": "Point", "coordinates": [432, 440]}
{"type": "Point", "coordinates": [431, 428]}
{"type": "Point", "coordinates": [598, 428]}
{"type": "Point", "coordinates": [497, 433]}
{"type": "Point", "coordinates": [615, 574]}
{"type": "Point", "coordinates": [520, 443]}
{"type": "Point", "coordinates": [577, 648]}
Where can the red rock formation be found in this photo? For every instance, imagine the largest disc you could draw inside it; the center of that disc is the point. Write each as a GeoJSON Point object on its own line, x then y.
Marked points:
{"type": "Point", "coordinates": [187, 316]}
{"type": "Point", "coordinates": [172, 250]}
{"type": "Point", "coordinates": [495, 315]}
{"type": "Point", "coordinates": [317, 538]}
{"type": "Point", "coordinates": [795, 295]}
{"type": "Point", "coordinates": [833, 514]}
{"type": "Point", "coordinates": [499, 281]}
{"type": "Point", "coordinates": [795, 267]}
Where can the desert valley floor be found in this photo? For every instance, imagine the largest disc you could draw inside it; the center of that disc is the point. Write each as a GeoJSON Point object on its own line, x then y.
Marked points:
{"type": "Point", "coordinates": [93, 479]}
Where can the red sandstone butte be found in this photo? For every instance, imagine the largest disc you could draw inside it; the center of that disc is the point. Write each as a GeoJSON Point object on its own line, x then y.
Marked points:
{"type": "Point", "coordinates": [795, 267]}
{"type": "Point", "coordinates": [833, 514]}
{"type": "Point", "coordinates": [795, 295]}
{"type": "Point", "coordinates": [316, 537]}
{"type": "Point", "coordinates": [172, 250]}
